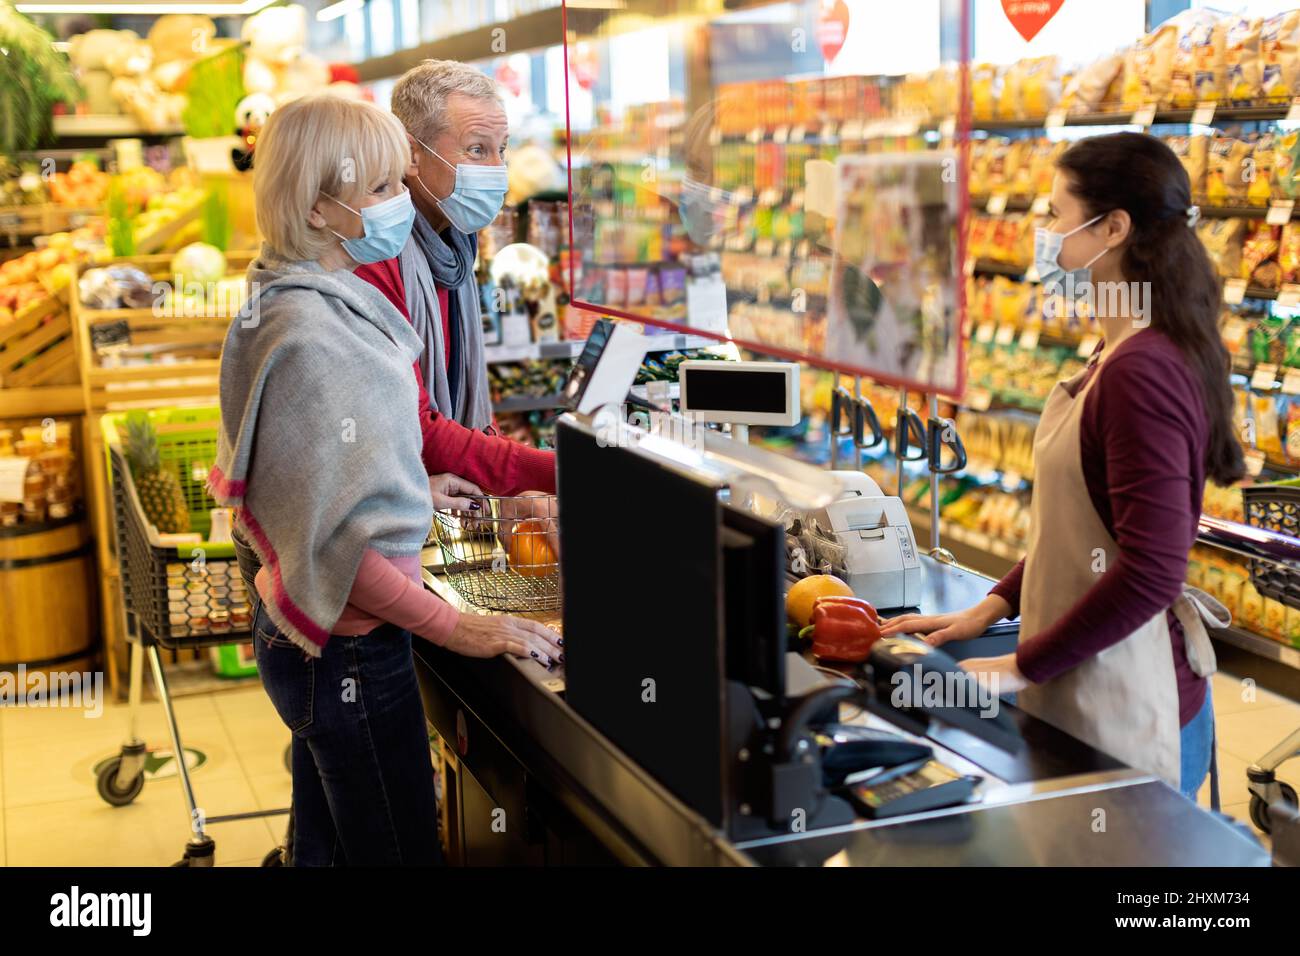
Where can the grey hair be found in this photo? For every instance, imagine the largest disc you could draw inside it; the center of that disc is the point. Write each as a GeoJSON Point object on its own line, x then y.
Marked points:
{"type": "Point", "coordinates": [419, 98]}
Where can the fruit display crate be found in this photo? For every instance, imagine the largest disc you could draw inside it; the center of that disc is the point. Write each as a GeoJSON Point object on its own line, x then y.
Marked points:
{"type": "Point", "coordinates": [182, 344]}
{"type": "Point", "coordinates": [37, 347]}
{"type": "Point", "coordinates": [41, 219]}
{"type": "Point", "coordinates": [187, 596]}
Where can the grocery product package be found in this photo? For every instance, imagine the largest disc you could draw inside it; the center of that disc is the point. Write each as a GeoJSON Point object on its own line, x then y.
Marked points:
{"type": "Point", "coordinates": [1086, 90]}
{"type": "Point", "coordinates": [1279, 56]}
{"type": "Point", "coordinates": [1192, 152]}
{"type": "Point", "coordinates": [1259, 252]}
{"type": "Point", "coordinates": [984, 86]}
{"type": "Point", "coordinates": [1198, 66]}
{"type": "Point", "coordinates": [1286, 153]}
{"type": "Point", "coordinates": [1258, 174]}
{"type": "Point", "coordinates": [1148, 70]}
{"type": "Point", "coordinates": [1030, 88]}
{"type": "Point", "coordinates": [1222, 239]}
{"type": "Point", "coordinates": [1227, 171]}
{"type": "Point", "coordinates": [1288, 256]}
{"type": "Point", "coordinates": [1241, 59]}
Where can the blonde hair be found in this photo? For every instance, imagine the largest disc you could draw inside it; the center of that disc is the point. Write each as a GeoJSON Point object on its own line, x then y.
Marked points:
{"type": "Point", "coordinates": [419, 98]}
{"type": "Point", "coordinates": [320, 144]}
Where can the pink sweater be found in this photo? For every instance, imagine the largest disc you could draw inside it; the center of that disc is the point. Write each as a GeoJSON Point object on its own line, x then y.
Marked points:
{"type": "Point", "coordinates": [388, 591]}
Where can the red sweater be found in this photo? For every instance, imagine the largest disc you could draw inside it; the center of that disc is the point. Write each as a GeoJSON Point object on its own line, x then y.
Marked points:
{"type": "Point", "coordinates": [497, 465]}
{"type": "Point", "coordinates": [1142, 443]}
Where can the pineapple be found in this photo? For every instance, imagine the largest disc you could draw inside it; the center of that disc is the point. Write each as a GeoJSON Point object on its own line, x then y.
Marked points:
{"type": "Point", "coordinates": [158, 489]}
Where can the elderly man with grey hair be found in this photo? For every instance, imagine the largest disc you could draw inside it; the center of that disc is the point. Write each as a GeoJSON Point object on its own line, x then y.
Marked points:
{"type": "Point", "coordinates": [457, 131]}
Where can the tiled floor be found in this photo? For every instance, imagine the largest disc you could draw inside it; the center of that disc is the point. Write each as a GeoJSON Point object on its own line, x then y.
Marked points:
{"type": "Point", "coordinates": [52, 815]}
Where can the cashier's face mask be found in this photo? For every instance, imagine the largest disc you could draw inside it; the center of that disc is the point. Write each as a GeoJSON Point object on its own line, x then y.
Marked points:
{"type": "Point", "coordinates": [387, 226]}
{"type": "Point", "coordinates": [1052, 275]}
{"type": "Point", "coordinates": [477, 196]}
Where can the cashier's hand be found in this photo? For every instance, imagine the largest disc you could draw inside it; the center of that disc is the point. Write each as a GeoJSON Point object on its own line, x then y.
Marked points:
{"type": "Point", "coordinates": [490, 635]}
{"type": "Point", "coordinates": [448, 493]}
{"type": "Point", "coordinates": [999, 674]}
{"type": "Point", "coordinates": [939, 629]}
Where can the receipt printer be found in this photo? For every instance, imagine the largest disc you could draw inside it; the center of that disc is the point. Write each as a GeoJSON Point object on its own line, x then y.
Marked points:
{"type": "Point", "coordinates": [880, 557]}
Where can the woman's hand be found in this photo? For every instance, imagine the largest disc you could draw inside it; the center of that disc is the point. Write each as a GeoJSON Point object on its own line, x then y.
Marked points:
{"type": "Point", "coordinates": [448, 491]}
{"type": "Point", "coordinates": [954, 626]}
{"type": "Point", "coordinates": [490, 635]}
{"type": "Point", "coordinates": [999, 674]}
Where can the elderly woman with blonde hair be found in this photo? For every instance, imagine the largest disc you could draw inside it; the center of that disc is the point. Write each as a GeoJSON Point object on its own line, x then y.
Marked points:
{"type": "Point", "coordinates": [319, 453]}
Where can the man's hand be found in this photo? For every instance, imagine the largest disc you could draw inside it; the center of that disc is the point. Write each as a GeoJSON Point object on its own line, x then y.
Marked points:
{"type": "Point", "coordinates": [448, 493]}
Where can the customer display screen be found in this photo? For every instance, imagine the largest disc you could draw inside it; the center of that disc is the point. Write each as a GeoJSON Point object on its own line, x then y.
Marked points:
{"type": "Point", "coordinates": [729, 391]}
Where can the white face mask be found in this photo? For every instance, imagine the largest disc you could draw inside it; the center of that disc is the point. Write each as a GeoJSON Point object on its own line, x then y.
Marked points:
{"type": "Point", "coordinates": [1052, 275]}
{"type": "Point", "coordinates": [477, 196]}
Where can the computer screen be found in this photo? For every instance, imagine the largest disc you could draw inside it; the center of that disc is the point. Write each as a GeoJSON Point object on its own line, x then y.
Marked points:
{"type": "Point", "coordinates": [753, 551]}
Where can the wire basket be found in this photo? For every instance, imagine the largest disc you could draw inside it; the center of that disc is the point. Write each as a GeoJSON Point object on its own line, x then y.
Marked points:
{"type": "Point", "coordinates": [505, 555]}
{"type": "Point", "coordinates": [1275, 507]}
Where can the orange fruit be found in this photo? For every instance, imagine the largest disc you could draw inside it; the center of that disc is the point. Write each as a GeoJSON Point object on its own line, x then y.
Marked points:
{"type": "Point", "coordinates": [529, 548]}
{"type": "Point", "coordinates": [801, 596]}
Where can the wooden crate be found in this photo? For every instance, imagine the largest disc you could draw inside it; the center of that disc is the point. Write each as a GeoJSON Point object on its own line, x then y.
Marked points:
{"type": "Point", "coordinates": [37, 347]}
{"type": "Point", "coordinates": [41, 219]}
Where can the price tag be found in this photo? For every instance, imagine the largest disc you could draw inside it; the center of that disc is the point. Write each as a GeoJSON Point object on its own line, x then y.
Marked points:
{"type": "Point", "coordinates": [1011, 480]}
{"type": "Point", "coordinates": [798, 134]}
{"type": "Point", "coordinates": [1204, 113]}
{"type": "Point", "coordinates": [1254, 462]}
{"type": "Point", "coordinates": [13, 473]}
{"type": "Point", "coordinates": [1234, 291]}
{"type": "Point", "coordinates": [743, 196]}
{"type": "Point", "coordinates": [1055, 119]}
{"type": "Point", "coordinates": [1293, 114]}
{"type": "Point", "coordinates": [1006, 334]}
{"type": "Point", "coordinates": [1264, 377]}
{"type": "Point", "coordinates": [997, 204]}
{"type": "Point", "coordinates": [769, 197]}
{"type": "Point", "coordinates": [1042, 204]}
{"type": "Point", "coordinates": [948, 128]}
{"type": "Point", "coordinates": [985, 332]}
{"type": "Point", "coordinates": [1279, 212]}
{"type": "Point", "coordinates": [1145, 116]}
{"type": "Point", "coordinates": [1031, 274]}
{"type": "Point", "coordinates": [1088, 345]}
{"type": "Point", "coordinates": [781, 135]}
{"type": "Point", "coordinates": [755, 135]}
{"type": "Point", "coordinates": [715, 136]}
{"type": "Point", "coordinates": [852, 130]}
{"type": "Point", "coordinates": [1029, 339]}
{"type": "Point", "coordinates": [969, 267]}
{"type": "Point", "coordinates": [1291, 382]}
{"type": "Point", "coordinates": [829, 130]}
{"type": "Point", "coordinates": [1234, 334]}
{"type": "Point", "coordinates": [785, 249]}
{"type": "Point", "coordinates": [1289, 296]}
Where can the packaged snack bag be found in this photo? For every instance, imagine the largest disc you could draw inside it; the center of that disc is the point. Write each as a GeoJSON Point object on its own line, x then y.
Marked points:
{"type": "Point", "coordinates": [1040, 87]}
{"type": "Point", "coordinates": [1267, 437]}
{"type": "Point", "coordinates": [1197, 72]}
{"type": "Point", "coordinates": [1288, 256]}
{"type": "Point", "coordinates": [1212, 580]}
{"type": "Point", "coordinates": [1234, 576]}
{"type": "Point", "coordinates": [1274, 624]}
{"type": "Point", "coordinates": [1228, 175]}
{"type": "Point", "coordinates": [1222, 239]}
{"type": "Point", "coordinates": [1258, 172]}
{"type": "Point", "coordinates": [1013, 79]}
{"type": "Point", "coordinates": [1259, 255]}
{"type": "Point", "coordinates": [1195, 570]}
{"type": "Point", "coordinates": [1286, 152]}
{"type": "Point", "coordinates": [1291, 627]}
{"type": "Point", "coordinates": [1085, 92]}
{"type": "Point", "coordinates": [1150, 63]}
{"type": "Point", "coordinates": [1292, 443]}
{"type": "Point", "coordinates": [1192, 152]}
{"type": "Point", "coordinates": [1279, 56]}
{"type": "Point", "coordinates": [984, 91]}
{"type": "Point", "coordinates": [1241, 59]}
{"type": "Point", "coordinates": [1251, 610]}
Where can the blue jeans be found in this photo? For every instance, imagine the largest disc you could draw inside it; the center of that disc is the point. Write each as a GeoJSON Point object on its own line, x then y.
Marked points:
{"type": "Point", "coordinates": [363, 789]}
{"type": "Point", "coordinates": [1197, 743]}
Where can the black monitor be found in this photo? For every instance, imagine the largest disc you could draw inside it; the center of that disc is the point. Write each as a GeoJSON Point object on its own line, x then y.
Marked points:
{"type": "Point", "coordinates": [753, 554]}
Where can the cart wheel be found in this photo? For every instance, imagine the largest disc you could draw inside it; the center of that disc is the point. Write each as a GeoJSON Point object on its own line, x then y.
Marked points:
{"type": "Point", "coordinates": [1259, 814]}
{"type": "Point", "coordinates": [107, 786]}
{"type": "Point", "coordinates": [276, 857]}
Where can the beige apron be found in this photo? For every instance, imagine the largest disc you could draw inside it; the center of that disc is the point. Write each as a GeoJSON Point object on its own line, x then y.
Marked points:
{"type": "Point", "coordinates": [1123, 701]}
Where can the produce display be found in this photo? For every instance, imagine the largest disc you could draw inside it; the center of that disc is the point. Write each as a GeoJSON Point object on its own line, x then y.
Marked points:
{"type": "Point", "coordinates": [49, 489]}
{"type": "Point", "coordinates": [43, 272]}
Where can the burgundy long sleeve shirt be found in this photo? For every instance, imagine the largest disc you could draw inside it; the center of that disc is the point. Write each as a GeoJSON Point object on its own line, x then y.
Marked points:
{"type": "Point", "coordinates": [1142, 442]}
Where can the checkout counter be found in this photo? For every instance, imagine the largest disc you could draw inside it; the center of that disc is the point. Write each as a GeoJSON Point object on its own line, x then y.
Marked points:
{"type": "Point", "coordinates": [553, 767]}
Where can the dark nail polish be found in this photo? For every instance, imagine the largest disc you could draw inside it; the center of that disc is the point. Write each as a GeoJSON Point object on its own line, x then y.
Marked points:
{"type": "Point", "coordinates": [474, 505]}
{"type": "Point", "coordinates": [561, 658]}
{"type": "Point", "coordinates": [560, 642]}
{"type": "Point", "coordinates": [534, 653]}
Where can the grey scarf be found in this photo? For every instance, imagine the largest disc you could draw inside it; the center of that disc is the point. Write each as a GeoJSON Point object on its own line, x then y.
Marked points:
{"type": "Point", "coordinates": [427, 262]}
{"type": "Point", "coordinates": [319, 447]}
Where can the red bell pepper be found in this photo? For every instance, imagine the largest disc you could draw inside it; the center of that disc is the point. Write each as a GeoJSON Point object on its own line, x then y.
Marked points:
{"type": "Point", "coordinates": [843, 628]}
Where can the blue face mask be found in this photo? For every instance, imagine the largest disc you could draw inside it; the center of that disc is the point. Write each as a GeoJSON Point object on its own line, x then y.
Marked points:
{"type": "Point", "coordinates": [387, 226]}
{"type": "Point", "coordinates": [1053, 276]}
{"type": "Point", "coordinates": [477, 196]}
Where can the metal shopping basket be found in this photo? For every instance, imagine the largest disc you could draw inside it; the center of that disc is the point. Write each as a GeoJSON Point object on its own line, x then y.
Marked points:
{"type": "Point", "coordinates": [1274, 553]}
{"type": "Point", "coordinates": [505, 555]}
{"type": "Point", "coordinates": [173, 598]}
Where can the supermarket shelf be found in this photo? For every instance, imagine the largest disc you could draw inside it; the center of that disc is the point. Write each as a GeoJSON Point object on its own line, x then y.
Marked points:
{"type": "Point", "coordinates": [963, 535]}
{"type": "Point", "coordinates": [41, 400]}
{"type": "Point", "coordinates": [991, 268]}
{"type": "Point", "coordinates": [979, 203]}
{"type": "Point", "coordinates": [90, 125]}
{"type": "Point", "coordinates": [1265, 647]}
{"type": "Point", "coordinates": [527, 403]}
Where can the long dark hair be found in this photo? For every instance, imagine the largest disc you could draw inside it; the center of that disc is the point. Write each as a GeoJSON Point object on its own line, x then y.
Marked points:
{"type": "Point", "coordinates": [1141, 175]}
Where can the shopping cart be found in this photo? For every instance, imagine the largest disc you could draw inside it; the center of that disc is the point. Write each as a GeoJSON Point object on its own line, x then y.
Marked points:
{"type": "Point", "coordinates": [505, 555]}
{"type": "Point", "coordinates": [173, 599]}
{"type": "Point", "coordinates": [1272, 542]}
